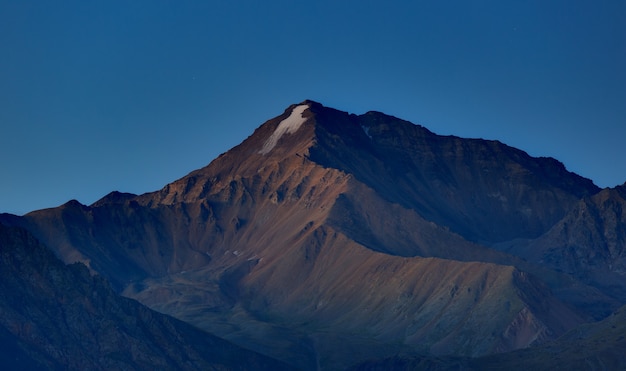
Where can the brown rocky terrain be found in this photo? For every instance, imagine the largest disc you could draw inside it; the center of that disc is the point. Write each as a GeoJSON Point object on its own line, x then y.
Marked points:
{"type": "Point", "coordinates": [57, 316]}
{"type": "Point", "coordinates": [327, 238]}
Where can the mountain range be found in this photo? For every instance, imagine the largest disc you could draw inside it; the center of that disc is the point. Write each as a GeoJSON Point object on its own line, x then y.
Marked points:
{"type": "Point", "coordinates": [59, 317]}
{"type": "Point", "coordinates": [329, 240]}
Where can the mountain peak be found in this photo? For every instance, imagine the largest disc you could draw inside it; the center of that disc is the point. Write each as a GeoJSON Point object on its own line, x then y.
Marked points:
{"type": "Point", "coordinates": [322, 223]}
{"type": "Point", "coordinates": [483, 190]}
{"type": "Point", "coordinates": [289, 125]}
{"type": "Point", "coordinates": [284, 127]}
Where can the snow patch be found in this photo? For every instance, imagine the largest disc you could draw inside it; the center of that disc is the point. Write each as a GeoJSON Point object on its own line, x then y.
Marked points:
{"type": "Point", "coordinates": [289, 125]}
{"type": "Point", "coordinates": [367, 131]}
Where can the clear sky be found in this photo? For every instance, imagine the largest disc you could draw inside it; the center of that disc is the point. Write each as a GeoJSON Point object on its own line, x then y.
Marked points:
{"type": "Point", "coordinates": [97, 96]}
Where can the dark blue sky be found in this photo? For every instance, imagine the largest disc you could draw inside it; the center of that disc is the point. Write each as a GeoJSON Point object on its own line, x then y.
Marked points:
{"type": "Point", "coordinates": [98, 96]}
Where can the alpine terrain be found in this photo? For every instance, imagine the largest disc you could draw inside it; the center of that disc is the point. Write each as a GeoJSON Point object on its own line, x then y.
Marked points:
{"type": "Point", "coordinates": [329, 240]}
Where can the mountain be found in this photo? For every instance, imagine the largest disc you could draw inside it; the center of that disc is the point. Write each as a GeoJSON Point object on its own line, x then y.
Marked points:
{"type": "Point", "coordinates": [589, 241]}
{"type": "Point", "coordinates": [483, 190]}
{"type": "Point", "coordinates": [57, 316]}
{"type": "Point", "coordinates": [595, 346]}
{"type": "Point", "coordinates": [326, 238]}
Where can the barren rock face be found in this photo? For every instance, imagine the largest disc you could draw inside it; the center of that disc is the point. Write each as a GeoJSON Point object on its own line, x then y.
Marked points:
{"type": "Point", "coordinates": [325, 239]}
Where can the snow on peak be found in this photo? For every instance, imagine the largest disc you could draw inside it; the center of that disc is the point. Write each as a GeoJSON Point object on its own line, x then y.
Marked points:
{"type": "Point", "coordinates": [367, 131]}
{"type": "Point", "coordinates": [289, 125]}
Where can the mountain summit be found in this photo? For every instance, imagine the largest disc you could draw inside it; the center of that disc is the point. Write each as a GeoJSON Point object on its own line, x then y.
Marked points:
{"type": "Point", "coordinates": [484, 190]}
{"type": "Point", "coordinates": [326, 238]}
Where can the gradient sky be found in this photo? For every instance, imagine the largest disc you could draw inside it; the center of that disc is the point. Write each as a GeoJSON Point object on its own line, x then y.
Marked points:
{"type": "Point", "coordinates": [97, 96]}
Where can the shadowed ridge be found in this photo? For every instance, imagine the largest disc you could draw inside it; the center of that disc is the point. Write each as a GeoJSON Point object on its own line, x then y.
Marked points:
{"type": "Point", "coordinates": [114, 197]}
{"type": "Point", "coordinates": [589, 242]}
{"type": "Point", "coordinates": [483, 190]}
{"type": "Point", "coordinates": [61, 317]}
{"type": "Point", "coordinates": [595, 346]}
{"type": "Point", "coordinates": [591, 346]}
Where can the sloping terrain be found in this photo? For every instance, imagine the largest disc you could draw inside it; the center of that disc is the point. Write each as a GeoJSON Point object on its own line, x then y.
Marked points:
{"type": "Point", "coordinates": [590, 241]}
{"type": "Point", "coordinates": [595, 346]}
{"type": "Point", "coordinates": [325, 239]}
{"type": "Point", "coordinates": [54, 316]}
{"type": "Point", "coordinates": [347, 302]}
{"type": "Point", "coordinates": [483, 190]}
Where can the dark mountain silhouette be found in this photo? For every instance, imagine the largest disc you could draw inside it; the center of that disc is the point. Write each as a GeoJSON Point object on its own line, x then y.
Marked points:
{"type": "Point", "coordinates": [326, 239]}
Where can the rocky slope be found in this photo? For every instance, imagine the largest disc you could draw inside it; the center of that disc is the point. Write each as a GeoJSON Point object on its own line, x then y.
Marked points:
{"type": "Point", "coordinates": [54, 316]}
{"type": "Point", "coordinates": [326, 238]}
{"type": "Point", "coordinates": [483, 190]}
{"type": "Point", "coordinates": [595, 346]}
{"type": "Point", "coordinates": [590, 241]}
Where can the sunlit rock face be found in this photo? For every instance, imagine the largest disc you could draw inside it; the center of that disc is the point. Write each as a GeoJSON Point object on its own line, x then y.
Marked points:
{"type": "Point", "coordinates": [327, 238]}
